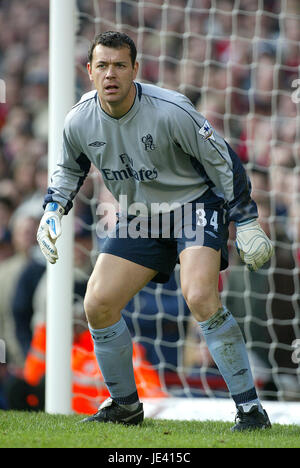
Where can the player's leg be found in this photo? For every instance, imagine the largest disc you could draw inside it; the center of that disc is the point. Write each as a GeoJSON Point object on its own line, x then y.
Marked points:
{"type": "Point", "coordinates": [199, 276]}
{"type": "Point", "coordinates": [112, 285]}
{"type": "Point", "coordinates": [200, 268]}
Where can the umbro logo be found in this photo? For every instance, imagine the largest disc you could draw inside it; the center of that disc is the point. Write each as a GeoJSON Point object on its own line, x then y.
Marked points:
{"type": "Point", "coordinates": [211, 234]}
{"type": "Point", "coordinates": [110, 335]}
{"type": "Point", "coordinates": [97, 144]}
{"type": "Point", "coordinates": [219, 321]}
{"type": "Point", "coordinates": [105, 337]}
{"type": "Point", "coordinates": [240, 372]}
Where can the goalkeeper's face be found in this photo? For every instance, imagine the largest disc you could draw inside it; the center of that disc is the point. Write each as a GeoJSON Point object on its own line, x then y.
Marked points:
{"type": "Point", "coordinates": [113, 73]}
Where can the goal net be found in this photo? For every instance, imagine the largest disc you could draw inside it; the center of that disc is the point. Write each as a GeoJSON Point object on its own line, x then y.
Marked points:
{"type": "Point", "coordinates": [238, 61]}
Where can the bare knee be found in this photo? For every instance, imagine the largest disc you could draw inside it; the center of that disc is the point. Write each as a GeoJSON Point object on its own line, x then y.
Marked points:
{"type": "Point", "coordinates": [99, 306]}
{"type": "Point", "coordinates": [203, 302]}
{"type": "Point", "coordinates": [199, 281]}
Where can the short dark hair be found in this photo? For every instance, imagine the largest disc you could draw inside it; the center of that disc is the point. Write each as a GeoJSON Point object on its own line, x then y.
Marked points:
{"type": "Point", "coordinates": [115, 40]}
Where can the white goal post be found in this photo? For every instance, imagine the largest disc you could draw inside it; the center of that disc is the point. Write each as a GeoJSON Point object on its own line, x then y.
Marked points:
{"type": "Point", "coordinates": [60, 275]}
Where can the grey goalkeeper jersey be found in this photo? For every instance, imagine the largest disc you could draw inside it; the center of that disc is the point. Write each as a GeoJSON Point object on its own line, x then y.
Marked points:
{"type": "Point", "coordinates": [162, 151]}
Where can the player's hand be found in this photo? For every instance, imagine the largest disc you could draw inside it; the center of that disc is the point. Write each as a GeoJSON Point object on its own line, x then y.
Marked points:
{"type": "Point", "coordinates": [253, 245]}
{"type": "Point", "coordinates": [49, 230]}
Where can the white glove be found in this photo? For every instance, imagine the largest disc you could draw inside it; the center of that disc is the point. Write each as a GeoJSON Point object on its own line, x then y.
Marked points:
{"type": "Point", "coordinates": [49, 230]}
{"type": "Point", "coordinates": [253, 245]}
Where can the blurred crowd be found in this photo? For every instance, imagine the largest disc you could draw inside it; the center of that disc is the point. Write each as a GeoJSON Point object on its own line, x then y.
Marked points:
{"type": "Point", "coordinates": [238, 62]}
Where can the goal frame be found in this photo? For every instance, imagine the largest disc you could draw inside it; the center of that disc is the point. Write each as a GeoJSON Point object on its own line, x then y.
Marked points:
{"type": "Point", "coordinates": [60, 276]}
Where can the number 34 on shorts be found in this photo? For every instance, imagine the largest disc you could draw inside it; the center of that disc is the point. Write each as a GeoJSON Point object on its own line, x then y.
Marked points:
{"type": "Point", "coordinates": [210, 229]}
{"type": "Point", "coordinates": [207, 217]}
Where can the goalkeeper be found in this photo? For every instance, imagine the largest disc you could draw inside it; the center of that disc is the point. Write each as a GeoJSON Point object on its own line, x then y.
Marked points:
{"type": "Point", "coordinates": [152, 146]}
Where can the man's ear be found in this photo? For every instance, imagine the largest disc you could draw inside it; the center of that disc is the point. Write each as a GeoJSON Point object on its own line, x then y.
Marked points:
{"type": "Point", "coordinates": [89, 69]}
{"type": "Point", "coordinates": [136, 69]}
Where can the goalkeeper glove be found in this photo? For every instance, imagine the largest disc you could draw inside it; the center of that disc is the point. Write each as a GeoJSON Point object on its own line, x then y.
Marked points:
{"type": "Point", "coordinates": [253, 245]}
{"type": "Point", "coordinates": [49, 230]}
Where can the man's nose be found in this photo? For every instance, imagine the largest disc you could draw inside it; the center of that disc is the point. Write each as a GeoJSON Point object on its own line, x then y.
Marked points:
{"type": "Point", "coordinates": [110, 71]}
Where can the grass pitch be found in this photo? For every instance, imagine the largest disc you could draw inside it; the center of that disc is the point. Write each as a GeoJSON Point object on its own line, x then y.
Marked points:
{"type": "Point", "coordinates": [41, 430]}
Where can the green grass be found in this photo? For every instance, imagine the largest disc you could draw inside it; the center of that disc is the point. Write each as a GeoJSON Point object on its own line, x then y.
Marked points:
{"type": "Point", "coordinates": [40, 430]}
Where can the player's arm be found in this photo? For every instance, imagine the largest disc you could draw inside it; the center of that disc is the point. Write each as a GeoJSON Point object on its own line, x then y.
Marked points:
{"type": "Point", "coordinates": [253, 245]}
{"type": "Point", "coordinates": [72, 169]}
{"type": "Point", "coordinates": [224, 168]}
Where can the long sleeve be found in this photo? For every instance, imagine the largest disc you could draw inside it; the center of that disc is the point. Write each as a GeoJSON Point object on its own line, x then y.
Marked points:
{"type": "Point", "coordinates": [216, 160]}
{"type": "Point", "coordinates": [72, 169]}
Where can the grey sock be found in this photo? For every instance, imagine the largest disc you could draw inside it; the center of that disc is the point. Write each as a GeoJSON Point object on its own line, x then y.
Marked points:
{"type": "Point", "coordinates": [113, 350]}
{"type": "Point", "coordinates": [227, 347]}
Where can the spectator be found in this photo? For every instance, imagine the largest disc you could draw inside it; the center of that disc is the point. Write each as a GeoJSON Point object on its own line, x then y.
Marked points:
{"type": "Point", "coordinates": [22, 301]}
{"type": "Point", "coordinates": [6, 211]}
{"type": "Point", "coordinates": [23, 238]}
